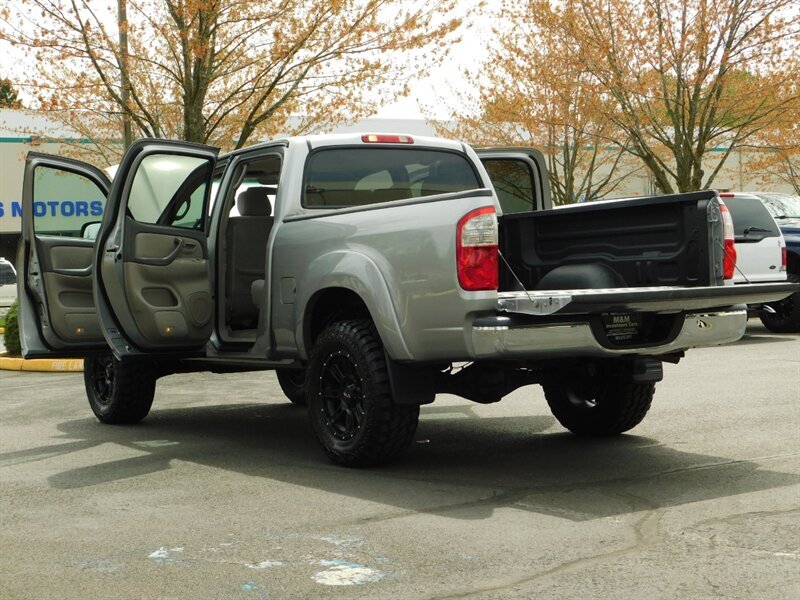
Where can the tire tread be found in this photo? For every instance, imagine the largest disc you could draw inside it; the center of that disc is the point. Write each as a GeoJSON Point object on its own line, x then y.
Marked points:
{"type": "Point", "coordinates": [790, 324]}
{"type": "Point", "coordinates": [132, 397]}
{"type": "Point", "coordinates": [391, 429]}
{"type": "Point", "coordinates": [627, 404]}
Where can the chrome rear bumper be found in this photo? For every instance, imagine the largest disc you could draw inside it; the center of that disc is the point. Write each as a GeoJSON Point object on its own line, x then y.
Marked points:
{"type": "Point", "coordinates": [500, 337]}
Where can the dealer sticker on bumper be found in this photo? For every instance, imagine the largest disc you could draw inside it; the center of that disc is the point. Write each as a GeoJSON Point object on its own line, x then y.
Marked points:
{"type": "Point", "coordinates": [622, 327]}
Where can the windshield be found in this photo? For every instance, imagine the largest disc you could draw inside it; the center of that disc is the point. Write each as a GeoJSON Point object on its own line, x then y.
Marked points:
{"type": "Point", "coordinates": [781, 206]}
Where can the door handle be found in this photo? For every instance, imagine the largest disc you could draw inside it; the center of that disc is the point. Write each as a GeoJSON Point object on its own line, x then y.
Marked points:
{"type": "Point", "coordinates": [167, 260]}
{"type": "Point", "coordinates": [85, 272]}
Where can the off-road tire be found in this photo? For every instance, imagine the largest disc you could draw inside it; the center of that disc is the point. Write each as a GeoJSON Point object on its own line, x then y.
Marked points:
{"type": "Point", "coordinates": [369, 429]}
{"type": "Point", "coordinates": [597, 406]}
{"type": "Point", "coordinates": [787, 312]}
{"type": "Point", "coordinates": [293, 384]}
{"type": "Point", "coordinates": [119, 393]}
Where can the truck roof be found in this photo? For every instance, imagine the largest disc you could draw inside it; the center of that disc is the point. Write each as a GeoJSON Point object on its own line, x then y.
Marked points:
{"type": "Point", "coordinates": [358, 139]}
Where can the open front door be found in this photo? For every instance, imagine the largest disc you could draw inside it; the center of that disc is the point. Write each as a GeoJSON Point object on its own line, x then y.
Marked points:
{"type": "Point", "coordinates": [153, 284]}
{"type": "Point", "coordinates": [62, 203]}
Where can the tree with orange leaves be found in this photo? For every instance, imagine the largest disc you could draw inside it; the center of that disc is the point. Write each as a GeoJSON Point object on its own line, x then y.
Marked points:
{"type": "Point", "coordinates": [222, 72]}
{"type": "Point", "coordinates": [664, 81]}
{"type": "Point", "coordinates": [532, 91]}
{"type": "Point", "coordinates": [776, 149]}
{"type": "Point", "coordinates": [685, 76]}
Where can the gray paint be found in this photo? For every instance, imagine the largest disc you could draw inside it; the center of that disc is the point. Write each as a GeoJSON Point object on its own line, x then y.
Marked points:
{"type": "Point", "coordinates": [399, 258]}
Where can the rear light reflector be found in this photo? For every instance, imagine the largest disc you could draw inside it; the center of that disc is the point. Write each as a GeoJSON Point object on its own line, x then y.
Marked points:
{"type": "Point", "coordinates": [477, 251]}
{"type": "Point", "coordinates": [783, 258]}
{"type": "Point", "coordinates": [729, 259]}
{"type": "Point", "coordinates": [381, 138]}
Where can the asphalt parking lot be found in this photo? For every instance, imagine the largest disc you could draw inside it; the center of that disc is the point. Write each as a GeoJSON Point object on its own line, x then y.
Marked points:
{"type": "Point", "coordinates": [222, 493]}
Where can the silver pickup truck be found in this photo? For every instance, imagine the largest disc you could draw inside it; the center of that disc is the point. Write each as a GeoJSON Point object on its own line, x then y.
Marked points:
{"type": "Point", "coordinates": [372, 272]}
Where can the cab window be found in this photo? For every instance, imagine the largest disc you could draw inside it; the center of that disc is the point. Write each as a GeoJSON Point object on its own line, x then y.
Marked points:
{"type": "Point", "coordinates": [64, 202]}
{"type": "Point", "coordinates": [170, 190]}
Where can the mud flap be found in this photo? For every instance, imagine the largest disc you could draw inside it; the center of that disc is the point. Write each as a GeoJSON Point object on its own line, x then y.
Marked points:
{"type": "Point", "coordinates": [411, 384]}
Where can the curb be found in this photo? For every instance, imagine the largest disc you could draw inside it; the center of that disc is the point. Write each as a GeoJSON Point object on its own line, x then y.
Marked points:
{"type": "Point", "coordinates": [41, 365]}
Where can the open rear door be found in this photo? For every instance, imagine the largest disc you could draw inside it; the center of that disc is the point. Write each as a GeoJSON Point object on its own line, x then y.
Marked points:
{"type": "Point", "coordinates": [153, 284]}
{"type": "Point", "coordinates": [519, 176]}
{"type": "Point", "coordinates": [62, 203]}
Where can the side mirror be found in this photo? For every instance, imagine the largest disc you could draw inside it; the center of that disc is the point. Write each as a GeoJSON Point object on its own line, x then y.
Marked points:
{"type": "Point", "coordinates": [90, 230]}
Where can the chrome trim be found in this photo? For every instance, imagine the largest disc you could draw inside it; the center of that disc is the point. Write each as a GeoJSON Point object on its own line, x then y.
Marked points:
{"type": "Point", "coordinates": [577, 339]}
{"type": "Point", "coordinates": [544, 302]}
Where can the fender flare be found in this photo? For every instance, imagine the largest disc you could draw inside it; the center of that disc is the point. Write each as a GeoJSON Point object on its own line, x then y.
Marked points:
{"type": "Point", "coordinates": [360, 274]}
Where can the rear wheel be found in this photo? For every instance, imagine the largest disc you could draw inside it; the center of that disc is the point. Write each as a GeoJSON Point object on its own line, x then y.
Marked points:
{"type": "Point", "coordinates": [119, 392]}
{"type": "Point", "coordinates": [293, 384]}
{"type": "Point", "coordinates": [349, 398]}
{"type": "Point", "coordinates": [786, 318]}
{"type": "Point", "coordinates": [595, 406]}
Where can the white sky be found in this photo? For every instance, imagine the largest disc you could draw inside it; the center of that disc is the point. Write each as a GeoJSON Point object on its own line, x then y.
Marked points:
{"type": "Point", "coordinates": [433, 94]}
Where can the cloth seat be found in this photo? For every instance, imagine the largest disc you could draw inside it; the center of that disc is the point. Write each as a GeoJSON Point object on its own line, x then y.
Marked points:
{"type": "Point", "coordinates": [247, 237]}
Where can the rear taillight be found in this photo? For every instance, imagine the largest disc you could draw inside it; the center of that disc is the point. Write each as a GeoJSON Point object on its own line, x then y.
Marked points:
{"type": "Point", "coordinates": [729, 260]}
{"type": "Point", "coordinates": [476, 250]}
{"type": "Point", "coordinates": [783, 258]}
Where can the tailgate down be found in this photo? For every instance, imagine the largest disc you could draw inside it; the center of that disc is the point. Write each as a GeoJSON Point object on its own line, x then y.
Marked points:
{"type": "Point", "coordinates": [640, 299]}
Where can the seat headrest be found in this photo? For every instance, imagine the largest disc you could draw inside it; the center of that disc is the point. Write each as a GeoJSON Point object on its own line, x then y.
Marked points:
{"type": "Point", "coordinates": [253, 202]}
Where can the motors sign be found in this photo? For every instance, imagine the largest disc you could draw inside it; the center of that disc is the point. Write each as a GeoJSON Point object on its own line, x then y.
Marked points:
{"type": "Point", "coordinates": [54, 208]}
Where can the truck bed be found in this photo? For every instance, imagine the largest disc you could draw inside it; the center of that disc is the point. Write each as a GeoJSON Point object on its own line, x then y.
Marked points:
{"type": "Point", "coordinates": [646, 242]}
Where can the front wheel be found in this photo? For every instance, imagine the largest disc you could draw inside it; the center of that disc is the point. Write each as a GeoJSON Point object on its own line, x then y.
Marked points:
{"type": "Point", "coordinates": [349, 398]}
{"type": "Point", "coordinates": [595, 406]}
{"type": "Point", "coordinates": [119, 393]}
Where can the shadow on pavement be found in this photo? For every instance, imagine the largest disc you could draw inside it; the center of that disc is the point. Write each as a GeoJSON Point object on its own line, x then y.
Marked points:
{"type": "Point", "coordinates": [505, 461]}
{"type": "Point", "coordinates": [766, 339]}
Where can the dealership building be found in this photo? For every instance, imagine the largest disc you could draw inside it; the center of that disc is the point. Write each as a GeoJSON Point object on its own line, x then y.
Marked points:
{"type": "Point", "coordinates": [25, 131]}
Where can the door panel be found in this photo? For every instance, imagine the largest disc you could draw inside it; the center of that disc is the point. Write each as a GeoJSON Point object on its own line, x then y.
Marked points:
{"type": "Point", "coordinates": [67, 274]}
{"type": "Point", "coordinates": [57, 309]}
{"type": "Point", "coordinates": [154, 270]}
{"type": "Point", "coordinates": [168, 285]}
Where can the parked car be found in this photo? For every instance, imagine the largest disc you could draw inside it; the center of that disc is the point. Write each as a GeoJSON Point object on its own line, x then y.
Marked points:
{"type": "Point", "coordinates": [783, 316]}
{"type": "Point", "coordinates": [8, 285]}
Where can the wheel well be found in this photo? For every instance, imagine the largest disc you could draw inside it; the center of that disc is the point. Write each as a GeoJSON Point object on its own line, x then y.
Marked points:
{"type": "Point", "coordinates": [329, 305]}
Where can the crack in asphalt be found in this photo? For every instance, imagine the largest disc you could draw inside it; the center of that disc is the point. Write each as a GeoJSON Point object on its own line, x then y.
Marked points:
{"type": "Point", "coordinates": [646, 532]}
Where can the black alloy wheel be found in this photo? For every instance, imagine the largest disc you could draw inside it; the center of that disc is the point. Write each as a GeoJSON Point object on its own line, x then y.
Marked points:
{"type": "Point", "coordinates": [341, 391]}
{"type": "Point", "coordinates": [349, 398]}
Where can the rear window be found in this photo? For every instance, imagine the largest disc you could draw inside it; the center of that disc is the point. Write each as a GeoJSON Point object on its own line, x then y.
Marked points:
{"type": "Point", "coordinates": [342, 177]}
{"type": "Point", "coordinates": [750, 217]}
